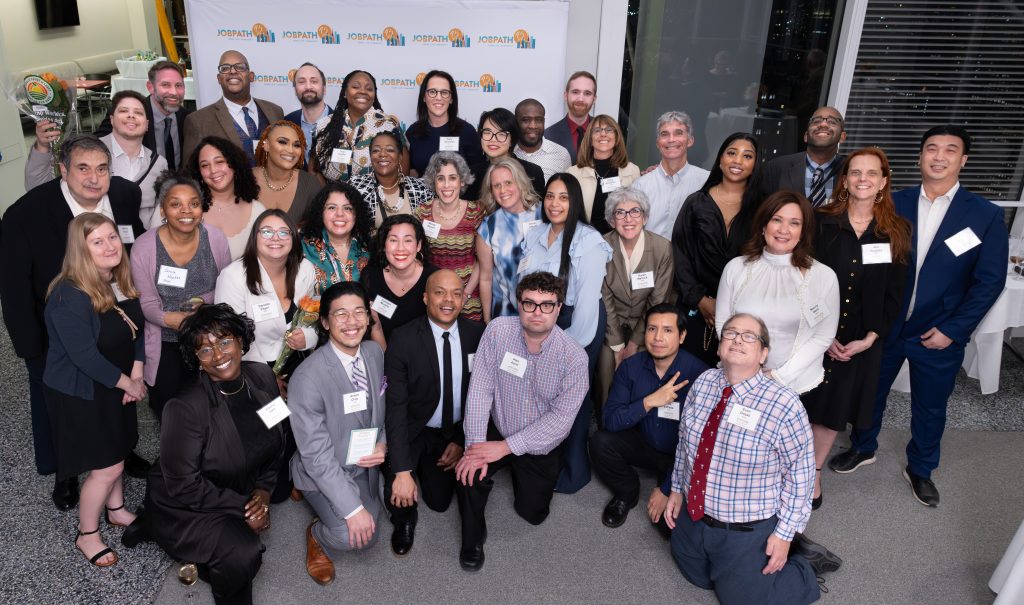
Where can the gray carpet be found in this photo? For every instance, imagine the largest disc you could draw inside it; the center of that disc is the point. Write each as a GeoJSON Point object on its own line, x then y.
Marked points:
{"type": "Point", "coordinates": [895, 550]}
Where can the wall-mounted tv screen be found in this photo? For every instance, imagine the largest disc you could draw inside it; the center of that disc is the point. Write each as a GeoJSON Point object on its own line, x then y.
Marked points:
{"type": "Point", "coordinates": [56, 13]}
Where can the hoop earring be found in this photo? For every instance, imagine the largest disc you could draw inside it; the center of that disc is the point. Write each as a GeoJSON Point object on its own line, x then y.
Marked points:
{"type": "Point", "coordinates": [843, 196]}
{"type": "Point", "coordinates": [878, 197]}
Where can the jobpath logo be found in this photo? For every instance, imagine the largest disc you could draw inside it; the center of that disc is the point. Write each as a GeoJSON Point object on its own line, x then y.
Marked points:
{"type": "Point", "coordinates": [485, 83]}
{"type": "Point", "coordinates": [454, 38]}
{"type": "Point", "coordinates": [389, 37]}
{"type": "Point", "coordinates": [258, 32]}
{"type": "Point", "coordinates": [401, 82]}
{"type": "Point", "coordinates": [327, 35]}
{"type": "Point", "coordinates": [520, 38]}
{"type": "Point", "coordinates": [273, 79]}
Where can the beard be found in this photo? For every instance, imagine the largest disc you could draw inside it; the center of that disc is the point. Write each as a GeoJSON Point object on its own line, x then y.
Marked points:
{"type": "Point", "coordinates": [310, 97]}
{"type": "Point", "coordinates": [163, 102]}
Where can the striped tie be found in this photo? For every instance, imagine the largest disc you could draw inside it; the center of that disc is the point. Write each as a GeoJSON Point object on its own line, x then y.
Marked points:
{"type": "Point", "coordinates": [817, 196]}
{"type": "Point", "coordinates": [358, 376]}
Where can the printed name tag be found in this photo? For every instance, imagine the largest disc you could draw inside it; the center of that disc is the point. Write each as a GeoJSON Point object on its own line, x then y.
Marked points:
{"type": "Point", "coordinates": [610, 184]}
{"type": "Point", "coordinates": [963, 241]}
{"type": "Point", "coordinates": [643, 280]}
{"type": "Point", "coordinates": [127, 234]}
{"type": "Point", "coordinates": [341, 156]}
{"type": "Point", "coordinates": [669, 411]}
{"type": "Point", "coordinates": [449, 144]}
{"type": "Point", "coordinates": [432, 229]}
{"type": "Point", "coordinates": [523, 264]}
{"type": "Point", "coordinates": [361, 442]}
{"type": "Point", "coordinates": [172, 276]}
{"type": "Point", "coordinates": [525, 228]}
{"type": "Point", "coordinates": [514, 364]}
{"type": "Point", "coordinates": [471, 356]}
{"type": "Point", "coordinates": [354, 402]}
{"type": "Point", "coordinates": [274, 412]}
{"type": "Point", "coordinates": [814, 314]}
{"type": "Point", "coordinates": [383, 306]}
{"type": "Point", "coordinates": [744, 417]}
{"type": "Point", "coordinates": [265, 310]}
{"type": "Point", "coordinates": [875, 254]}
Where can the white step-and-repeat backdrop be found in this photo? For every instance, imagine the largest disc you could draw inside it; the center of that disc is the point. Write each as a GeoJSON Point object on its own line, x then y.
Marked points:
{"type": "Point", "coordinates": [498, 51]}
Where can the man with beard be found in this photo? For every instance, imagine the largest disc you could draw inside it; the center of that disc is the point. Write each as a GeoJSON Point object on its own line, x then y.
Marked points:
{"type": "Point", "coordinates": [533, 147]}
{"type": "Point", "coordinates": [580, 94]}
{"type": "Point", "coordinates": [236, 116]}
{"type": "Point", "coordinates": [813, 172]}
{"type": "Point", "coordinates": [310, 87]}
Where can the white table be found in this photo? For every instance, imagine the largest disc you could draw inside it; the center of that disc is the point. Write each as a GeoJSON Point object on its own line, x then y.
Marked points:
{"type": "Point", "coordinates": [119, 83]}
{"type": "Point", "coordinates": [1008, 579]}
{"type": "Point", "coordinates": [984, 354]}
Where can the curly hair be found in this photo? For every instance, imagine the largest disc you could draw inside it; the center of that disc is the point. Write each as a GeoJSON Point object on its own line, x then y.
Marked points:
{"type": "Point", "coordinates": [219, 320]}
{"type": "Point", "coordinates": [261, 148]}
{"type": "Point", "coordinates": [385, 230]}
{"type": "Point", "coordinates": [542, 281]}
{"type": "Point", "coordinates": [447, 158]}
{"type": "Point", "coordinates": [313, 220]}
{"type": "Point", "coordinates": [245, 187]}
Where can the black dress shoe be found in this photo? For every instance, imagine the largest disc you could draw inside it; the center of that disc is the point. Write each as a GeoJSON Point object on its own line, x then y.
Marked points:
{"type": "Point", "coordinates": [402, 537]}
{"type": "Point", "coordinates": [138, 531]}
{"type": "Point", "coordinates": [616, 512]}
{"type": "Point", "coordinates": [136, 466]}
{"type": "Point", "coordinates": [472, 559]}
{"type": "Point", "coordinates": [65, 493]}
{"type": "Point", "coordinates": [850, 460]}
{"type": "Point", "coordinates": [822, 560]}
{"type": "Point", "coordinates": [816, 502]}
{"type": "Point", "coordinates": [924, 490]}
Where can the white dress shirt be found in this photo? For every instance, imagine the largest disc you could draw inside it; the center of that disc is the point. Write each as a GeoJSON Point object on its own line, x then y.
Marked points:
{"type": "Point", "coordinates": [103, 207]}
{"type": "Point", "coordinates": [551, 157]}
{"type": "Point", "coordinates": [124, 166]}
{"type": "Point", "coordinates": [929, 216]}
{"type": "Point", "coordinates": [239, 117]}
{"type": "Point", "coordinates": [456, 378]}
{"type": "Point", "coordinates": [667, 194]}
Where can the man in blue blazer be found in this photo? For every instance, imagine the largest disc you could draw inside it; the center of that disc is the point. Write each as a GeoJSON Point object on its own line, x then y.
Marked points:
{"type": "Point", "coordinates": [958, 270]}
{"type": "Point", "coordinates": [580, 95]}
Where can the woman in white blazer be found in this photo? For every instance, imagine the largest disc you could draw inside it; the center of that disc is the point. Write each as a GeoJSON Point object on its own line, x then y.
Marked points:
{"type": "Point", "coordinates": [266, 285]}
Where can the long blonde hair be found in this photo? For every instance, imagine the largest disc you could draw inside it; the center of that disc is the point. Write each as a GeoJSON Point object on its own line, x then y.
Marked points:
{"type": "Point", "coordinates": [530, 197]}
{"type": "Point", "coordinates": [79, 269]}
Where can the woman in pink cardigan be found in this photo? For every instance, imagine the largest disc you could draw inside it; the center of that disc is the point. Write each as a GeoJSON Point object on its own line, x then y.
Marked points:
{"type": "Point", "coordinates": [175, 267]}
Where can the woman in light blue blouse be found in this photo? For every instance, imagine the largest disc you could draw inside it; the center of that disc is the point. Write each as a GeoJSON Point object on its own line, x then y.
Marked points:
{"type": "Point", "coordinates": [573, 250]}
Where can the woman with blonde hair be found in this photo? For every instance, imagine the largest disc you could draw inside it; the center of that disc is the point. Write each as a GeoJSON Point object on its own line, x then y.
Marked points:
{"type": "Point", "coordinates": [602, 166]}
{"type": "Point", "coordinates": [93, 374]}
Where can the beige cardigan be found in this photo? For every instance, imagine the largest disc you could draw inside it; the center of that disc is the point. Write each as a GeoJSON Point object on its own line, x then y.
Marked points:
{"type": "Point", "coordinates": [588, 182]}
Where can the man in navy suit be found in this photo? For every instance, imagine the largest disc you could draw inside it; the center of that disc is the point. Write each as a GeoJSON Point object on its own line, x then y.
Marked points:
{"type": "Point", "coordinates": [425, 397]}
{"type": "Point", "coordinates": [580, 95]}
{"type": "Point", "coordinates": [959, 251]}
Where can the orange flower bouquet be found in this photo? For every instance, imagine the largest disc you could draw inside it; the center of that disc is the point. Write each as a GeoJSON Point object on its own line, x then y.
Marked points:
{"type": "Point", "coordinates": [306, 316]}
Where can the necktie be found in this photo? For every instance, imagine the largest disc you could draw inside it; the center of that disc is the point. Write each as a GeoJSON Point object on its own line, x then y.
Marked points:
{"type": "Point", "coordinates": [168, 143]}
{"type": "Point", "coordinates": [579, 136]}
{"type": "Point", "coordinates": [250, 126]}
{"type": "Point", "coordinates": [358, 376]}
{"type": "Point", "coordinates": [448, 403]}
{"type": "Point", "coordinates": [817, 196]}
{"type": "Point", "coordinates": [702, 461]}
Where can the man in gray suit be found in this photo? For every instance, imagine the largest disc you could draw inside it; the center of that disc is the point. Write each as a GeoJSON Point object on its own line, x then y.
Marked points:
{"type": "Point", "coordinates": [814, 172]}
{"type": "Point", "coordinates": [336, 397]}
{"type": "Point", "coordinates": [236, 116]}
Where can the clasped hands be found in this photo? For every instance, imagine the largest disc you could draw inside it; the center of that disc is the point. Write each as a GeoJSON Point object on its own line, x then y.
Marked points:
{"type": "Point", "coordinates": [257, 510]}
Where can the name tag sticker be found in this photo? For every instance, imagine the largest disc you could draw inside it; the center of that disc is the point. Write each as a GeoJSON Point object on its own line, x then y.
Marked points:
{"type": "Point", "coordinates": [875, 254]}
{"type": "Point", "coordinates": [432, 229]}
{"type": "Point", "coordinates": [361, 442]}
{"type": "Point", "coordinates": [341, 156]}
{"type": "Point", "coordinates": [354, 402]}
{"type": "Point", "coordinates": [610, 184]}
{"type": "Point", "coordinates": [127, 234]}
{"type": "Point", "coordinates": [963, 241]}
{"type": "Point", "coordinates": [814, 314]}
{"type": "Point", "coordinates": [523, 264]}
{"type": "Point", "coordinates": [449, 144]}
{"type": "Point", "coordinates": [274, 412]}
{"type": "Point", "coordinates": [514, 364]}
{"type": "Point", "coordinates": [383, 306]}
{"type": "Point", "coordinates": [643, 280]}
{"type": "Point", "coordinates": [525, 228]}
{"type": "Point", "coordinates": [471, 356]}
{"type": "Point", "coordinates": [744, 417]}
{"type": "Point", "coordinates": [264, 310]}
{"type": "Point", "coordinates": [172, 276]}
{"type": "Point", "coordinates": [669, 411]}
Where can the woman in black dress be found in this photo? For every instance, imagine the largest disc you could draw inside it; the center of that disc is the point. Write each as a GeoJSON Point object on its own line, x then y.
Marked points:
{"type": "Point", "coordinates": [93, 374]}
{"type": "Point", "coordinates": [868, 246]}
{"type": "Point", "coordinates": [709, 232]}
{"type": "Point", "coordinates": [396, 279]}
{"type": "Point", "coordinates": [208, 496]}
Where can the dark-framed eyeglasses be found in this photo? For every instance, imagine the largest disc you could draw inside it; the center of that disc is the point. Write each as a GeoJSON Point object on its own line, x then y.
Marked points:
{"type": "Point", "coordinates": [269, 233]}
{"type": "Point", "coordinates": [547, 307]}
{"type": "Point", "coordinates": [235, 67]}
{"type": "Point", "coordinates": [433, 93]}
{"type": "Point", "coordinates": [224, 345]}
{"type": "Point", "coordinates": [749, 337]}
{"type": "Point", "coordinates": [621, 213]}
{"type": "Point", "coordinates": [830, 120]}
{"type": "Point", "coordinates": [602, 130]}
{"type": "Point", "coordinates": [487, 134]}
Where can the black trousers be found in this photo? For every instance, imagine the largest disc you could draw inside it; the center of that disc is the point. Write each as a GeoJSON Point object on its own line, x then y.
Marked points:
{"type": "Point", "coordinates": [615, 455]}
{"type": "Point", "coordinates": [233, 564]}
{"type": "Point", "coordinates": [533, 485]}
{"type": "Point", "coordinates": [171, 377]}
{"type": "Point", "coordinates": [436, 485]}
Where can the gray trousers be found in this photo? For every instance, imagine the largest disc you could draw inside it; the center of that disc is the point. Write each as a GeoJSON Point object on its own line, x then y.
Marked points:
{"type": "Point", "coordinates": [332, 530]}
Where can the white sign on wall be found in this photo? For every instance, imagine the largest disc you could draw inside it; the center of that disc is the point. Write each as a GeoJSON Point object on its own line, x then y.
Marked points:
{"type": "Point", "coordinates": [499, 52]}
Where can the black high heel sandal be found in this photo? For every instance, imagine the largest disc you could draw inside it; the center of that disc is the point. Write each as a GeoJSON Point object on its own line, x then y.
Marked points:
{"type": "Point", "coordinates": [106, 516]}
{"type": "Point", "coordinates": [816, 502]}
{"type": "Point", "coordinates": [96, 557]}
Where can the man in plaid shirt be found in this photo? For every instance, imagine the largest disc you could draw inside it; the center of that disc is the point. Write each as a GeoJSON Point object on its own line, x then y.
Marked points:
{"type": "Point", "coordinates": [742, 481]}
{"type": "Point", "coordinates": [528, 382]}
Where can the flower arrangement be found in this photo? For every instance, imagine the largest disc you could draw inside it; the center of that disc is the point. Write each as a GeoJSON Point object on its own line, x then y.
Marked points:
{"type": "Point", "coordinates": [45, 96]}
{"type": "Point", "coordinates": [307, 315]}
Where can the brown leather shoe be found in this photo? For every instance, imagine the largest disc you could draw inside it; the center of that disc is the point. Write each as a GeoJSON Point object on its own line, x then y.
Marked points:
{"type": "Point", "coordinates": [318, 564]}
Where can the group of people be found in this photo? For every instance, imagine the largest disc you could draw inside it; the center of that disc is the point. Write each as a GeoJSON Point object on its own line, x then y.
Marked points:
{"type": "Point", "coordinates": [332, 307]}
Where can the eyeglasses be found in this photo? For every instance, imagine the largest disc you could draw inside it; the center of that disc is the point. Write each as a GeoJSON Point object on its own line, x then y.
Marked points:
{"type": "Point", "coordinates": [602, 130]}
{"type": "Point", "coordinates": [488, 135]}
{"type": "Point", "coordinates": [225, 345]}
{"type": "Point", "coordinates": [731, 334]}
{"type": "Point", "coordinates": [830, 120]}
{"type": "Point", "coordinates": [547, 307]}
{"type": "Point", "coordinates": [433, 93]}
{"type": "Point", "coordinates": [229, 67]}
{"type": "Point", "coordinates": [343, 315]}
{"type": "Point", "coordinates": [269, 233]}
{"type": "Point", "coordinates": [631, 213]}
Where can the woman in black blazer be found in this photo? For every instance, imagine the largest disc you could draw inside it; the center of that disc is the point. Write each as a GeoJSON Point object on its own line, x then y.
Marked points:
{"type": "Point", "coordinates": [209, 491]}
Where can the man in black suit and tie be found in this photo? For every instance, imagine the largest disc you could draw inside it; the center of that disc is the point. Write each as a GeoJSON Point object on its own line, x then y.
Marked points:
{"type": "Point", "coordinates": [428, 364]}
{"type": "Point", "coordinates": [165, 111]}
{"type": "Point", "coordinates": [236, 116]}
{"type": "Point", "coordinates": [814, 171]}
{"type": "Point", "coordinates": [35, 233]}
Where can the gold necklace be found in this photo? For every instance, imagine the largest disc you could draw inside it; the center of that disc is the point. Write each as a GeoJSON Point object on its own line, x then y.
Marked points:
{"type": "Point", "coordinates": [266, 177]}
{"type": "Point", "coordinates": [456, 215]}
{"type": "Point", "coordinates": [235, 392]}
